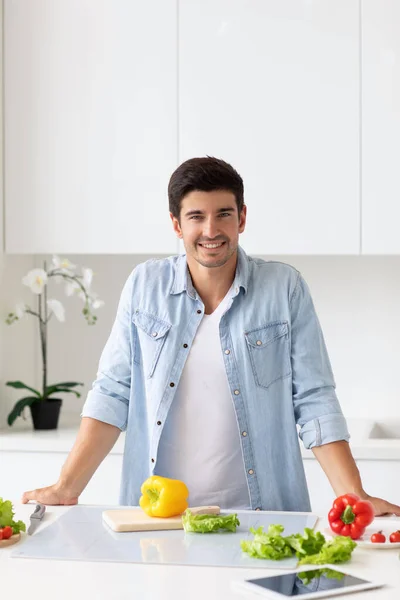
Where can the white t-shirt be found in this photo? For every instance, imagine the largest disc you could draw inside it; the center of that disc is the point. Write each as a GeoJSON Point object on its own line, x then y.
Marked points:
{"type": "Point", "coordinates": [200, 443]}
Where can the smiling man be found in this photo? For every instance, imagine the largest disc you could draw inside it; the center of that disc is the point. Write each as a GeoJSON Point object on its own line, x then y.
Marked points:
{"type": "Point", "coordinates": [213, 359]}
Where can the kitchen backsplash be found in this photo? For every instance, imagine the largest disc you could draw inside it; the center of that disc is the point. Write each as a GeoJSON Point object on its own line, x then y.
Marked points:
{"type": "Point", "coordinates": [357, 299]}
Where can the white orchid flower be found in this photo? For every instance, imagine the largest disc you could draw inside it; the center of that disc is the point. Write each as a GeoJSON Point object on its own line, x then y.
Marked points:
{"type": "Point", "coordinates": [57, 309]}
{"type": "Point", "coordinates": [71, 287]}
{"type": "Point", "coordinates": [36, 279]}
{"type": "Point", "coordinates": [20, 310]}
{"type": "Point", "coordinates": [87, 277]}
{"type": "Point", "coordinates": [97, 304]}
{"type": "Point", "coordinates": [63, 264]}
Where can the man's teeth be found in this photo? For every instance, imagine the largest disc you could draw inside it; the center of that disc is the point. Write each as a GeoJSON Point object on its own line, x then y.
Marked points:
{"type": "Point", "coordinates": [212, 245]}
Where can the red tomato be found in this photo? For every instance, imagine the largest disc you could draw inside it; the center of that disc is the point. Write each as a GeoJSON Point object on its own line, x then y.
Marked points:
{"type": "Point", "coordinates": [1, 533]}
{"type": "Point", "coordinates": [395, 537]}
{"type": "Point", "coordinates": [378, 538]}
{"type": "Point", "coordinates": [7, 532]}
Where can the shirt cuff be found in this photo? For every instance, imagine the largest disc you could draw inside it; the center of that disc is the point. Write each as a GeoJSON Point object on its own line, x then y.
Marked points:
{"type": "Point", "coordinates": [324, 430]}
{"type": "Point", "coordinates": [106, 408]}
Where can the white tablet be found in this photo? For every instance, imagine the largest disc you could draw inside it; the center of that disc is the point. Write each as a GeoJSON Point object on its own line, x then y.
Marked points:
{"type": "Point", "coordinates": [290, 584]}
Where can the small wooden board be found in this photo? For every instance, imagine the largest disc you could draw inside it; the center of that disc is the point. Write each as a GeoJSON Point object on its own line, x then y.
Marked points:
{"type": "Point", "coordinates": [135, 519]}
{"type": "Point", "coordinates": [12, 540]}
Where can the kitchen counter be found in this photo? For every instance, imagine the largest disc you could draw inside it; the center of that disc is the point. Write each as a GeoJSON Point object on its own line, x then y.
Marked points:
{"type": "Point", "coordinates": [44, 579]}
{"type": "Point", "coordinates": [22, 438]}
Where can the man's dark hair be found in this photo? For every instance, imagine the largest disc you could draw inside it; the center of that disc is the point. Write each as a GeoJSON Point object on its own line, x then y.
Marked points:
{"type": "Point", "coordinates": [205, 174]}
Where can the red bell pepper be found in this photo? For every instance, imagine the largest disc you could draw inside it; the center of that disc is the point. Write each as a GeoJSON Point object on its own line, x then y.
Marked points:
{"type": "Point", "coordinates": [350, 516]}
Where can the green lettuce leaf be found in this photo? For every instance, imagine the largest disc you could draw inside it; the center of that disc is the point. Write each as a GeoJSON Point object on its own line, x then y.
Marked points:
{"type": "Point", "coordinates": [7, 517]}
{"type": "Point", "coordinates": [209, 523]}
{"type": "Point", "coordinates": [338, 550]}
{"type": "Point", "coordinates": [270, 545]}
{"type": "Point", "coordinates": [310, 542]}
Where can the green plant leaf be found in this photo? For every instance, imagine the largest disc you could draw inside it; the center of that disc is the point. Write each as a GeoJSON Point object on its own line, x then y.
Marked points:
{"type": "Point", "coordinates": [19, 407]}
{"type": "Point", "coordinates": [19, 386]}
{"type": "Point", "coordinates": [56, 390]}
{"type": "Point", "coordinates": [58, 387]}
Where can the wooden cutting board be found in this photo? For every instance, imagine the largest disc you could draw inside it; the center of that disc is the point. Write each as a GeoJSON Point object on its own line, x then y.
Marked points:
{"type": "Point", "coordinates": [135, 519]}
{"type": "Point", "coordinates": [12, 540]}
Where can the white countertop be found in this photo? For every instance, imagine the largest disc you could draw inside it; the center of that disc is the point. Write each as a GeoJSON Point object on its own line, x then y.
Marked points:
{"type": "Point", "coordinates": [22, 438]}
{"type": "Point", "coordinates": [44, 579]}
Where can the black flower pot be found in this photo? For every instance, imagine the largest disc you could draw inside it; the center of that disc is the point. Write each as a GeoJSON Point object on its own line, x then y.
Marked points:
{"type": "Point", "coordinates": [45, 413]}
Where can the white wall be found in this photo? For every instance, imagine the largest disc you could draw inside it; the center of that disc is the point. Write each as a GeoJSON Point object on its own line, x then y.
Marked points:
{"type": "Point", "coordinates": [357, 299]}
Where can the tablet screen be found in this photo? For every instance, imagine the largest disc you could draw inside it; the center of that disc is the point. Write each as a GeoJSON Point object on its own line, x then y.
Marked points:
{"type": "Point", "coordinates": [291, 584]}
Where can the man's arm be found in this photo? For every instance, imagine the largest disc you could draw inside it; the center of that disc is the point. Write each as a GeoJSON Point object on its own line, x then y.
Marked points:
{"type": "Point", "coordinates": [316, 407]}
{"type": "Point", "coordinates": [340, 467]}
{"type": "Point", "coordinates": [94, 441]}
{"type": "Point", "coordinates": [104, 414]}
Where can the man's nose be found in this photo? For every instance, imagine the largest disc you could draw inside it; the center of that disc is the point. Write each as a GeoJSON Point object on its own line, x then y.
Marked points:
{"type": "Point", "coordinates": [210, 228]}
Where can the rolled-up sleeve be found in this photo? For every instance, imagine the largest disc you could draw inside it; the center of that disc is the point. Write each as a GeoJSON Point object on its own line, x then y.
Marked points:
{"type": "Point", "coordinates": [316, 407]}
{"type": "Point", "coordinates": [108, 399]}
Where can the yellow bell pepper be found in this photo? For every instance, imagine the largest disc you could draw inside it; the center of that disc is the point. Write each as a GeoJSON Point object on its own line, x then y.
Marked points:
{"type": "Point", "coordinates": [163, 497]}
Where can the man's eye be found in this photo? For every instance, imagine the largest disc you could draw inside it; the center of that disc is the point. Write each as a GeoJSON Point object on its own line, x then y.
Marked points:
{"type": "Point", "coordinates": [225, 214]}
{"type": "Point", "coordinates": [195, 217]}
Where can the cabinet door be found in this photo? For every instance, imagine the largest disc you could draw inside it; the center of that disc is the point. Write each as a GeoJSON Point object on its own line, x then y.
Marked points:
{"type": "Point", "coordinates": [90, 125]}
{"type": "Point", "coordinates": [272, 86]}
{"type": "Point", "coordinates": [380, 126]}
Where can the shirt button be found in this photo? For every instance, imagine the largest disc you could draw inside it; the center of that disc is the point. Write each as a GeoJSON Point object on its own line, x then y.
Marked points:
{"type": "Point", "coordinates": [258, 342]}
{"type": "Point", "coordinates": [154, 334]}
{"type": "Point", "coordinates": [227, 351]}
{"type": "Point", "coordinates": [251, 472]}
{"type": "Point", "coordinates": [185, 345]}
{"type": "Point", "coordinates": [244, 433]}
{"type": "Point", "coordinates": [158, 422]}
{"type": "Point", "coordinates": [171, 384]}
{"type": "Point", "coordinates": [236, 392]}
{"type": "Point", "coordinates": [199, 312]}
{"type": "Point", "coordinates": [152, 460]}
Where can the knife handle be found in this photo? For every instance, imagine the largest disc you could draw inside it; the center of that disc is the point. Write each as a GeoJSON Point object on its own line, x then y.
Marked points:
{"type": "Point", "coordinates": [38, 512]}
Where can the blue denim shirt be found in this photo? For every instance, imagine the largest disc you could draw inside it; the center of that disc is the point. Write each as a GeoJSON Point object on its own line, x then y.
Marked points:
{"type": "Point", "coordinates": [277, 366]}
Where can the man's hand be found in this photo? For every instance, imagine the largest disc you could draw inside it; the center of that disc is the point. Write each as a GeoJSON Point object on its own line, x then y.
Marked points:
{"type": "Point", "coordinates": [51, 495]}
{"type": "Point", "coordinates": [382, 507]}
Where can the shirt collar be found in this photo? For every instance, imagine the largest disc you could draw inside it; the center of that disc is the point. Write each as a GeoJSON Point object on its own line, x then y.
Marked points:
{"type": "Point", "coordinates": [183, 282]}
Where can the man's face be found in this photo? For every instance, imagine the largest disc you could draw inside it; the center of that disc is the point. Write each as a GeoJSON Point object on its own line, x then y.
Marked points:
{"type": "Point", "coordinates": [209, 225]}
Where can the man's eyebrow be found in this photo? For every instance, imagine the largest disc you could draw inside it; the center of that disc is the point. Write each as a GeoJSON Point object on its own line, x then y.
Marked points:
{"type": "Point", "coordinates": [195, 211]}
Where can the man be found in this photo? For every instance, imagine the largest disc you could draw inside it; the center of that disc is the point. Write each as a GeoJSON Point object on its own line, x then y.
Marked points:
{"type": "Point", "coordinates": [213, 359]}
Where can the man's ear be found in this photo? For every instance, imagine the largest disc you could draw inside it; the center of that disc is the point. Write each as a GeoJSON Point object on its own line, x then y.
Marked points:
{"type": "Point", "coordinates": [176, 226]}
{"type": "Point", "coordinates": [242, 219]}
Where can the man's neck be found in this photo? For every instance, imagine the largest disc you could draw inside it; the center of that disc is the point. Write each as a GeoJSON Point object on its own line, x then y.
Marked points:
{"type": "Point", "coordinates": [212, 284]}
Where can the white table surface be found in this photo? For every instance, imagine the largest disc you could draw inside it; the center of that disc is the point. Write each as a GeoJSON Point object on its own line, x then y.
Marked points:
{"type": "Point", "coordinates": [48, 579]}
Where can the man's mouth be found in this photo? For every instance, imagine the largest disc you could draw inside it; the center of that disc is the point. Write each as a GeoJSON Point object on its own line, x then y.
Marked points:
{"type": "Point", "coordinates": [211, 246]}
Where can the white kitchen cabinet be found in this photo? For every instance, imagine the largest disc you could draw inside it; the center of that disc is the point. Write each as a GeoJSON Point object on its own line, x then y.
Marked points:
{"type": "Point", "coordinates": [272, 86]}
{"type": "Point", "coordinates": [23, 471]}
{"type": "Point", "coordinates": [90, 125]}
{"type": "Point", "coordinates": [380, 126]}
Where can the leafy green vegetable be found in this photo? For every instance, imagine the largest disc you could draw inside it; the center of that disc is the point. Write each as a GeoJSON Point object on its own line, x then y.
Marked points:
{"type": "Point", "coordinates": [308, 576]}
{"type": "Point", "coordinates": [309, 543]}
{"type": "Point", "coordinates": [7, 517]}
{"type": "Point", "coordinates": [209, 523]}
{"type": "Point", "coordinates": [310, 548]}
{"type": "Point", "coordinates": [270, 545]}
{"type": "Point", "coordinates": [338, 550]}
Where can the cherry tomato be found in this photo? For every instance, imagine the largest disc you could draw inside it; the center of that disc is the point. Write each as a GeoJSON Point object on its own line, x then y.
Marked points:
{"type": "Point", "coordinates": [7, 532]}
{"type": "Point", "coordinates": [1, 533]}
{"type": "Point", "coordinates": [378, 538]}
{"type": "Point", "coordinates": [395, 537]}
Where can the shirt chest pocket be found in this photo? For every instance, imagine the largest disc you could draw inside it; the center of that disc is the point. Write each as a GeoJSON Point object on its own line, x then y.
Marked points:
{"type": "Point", "coordinates": [149, 339]}
{"type": "Point", "coordinates": [269, 352]}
